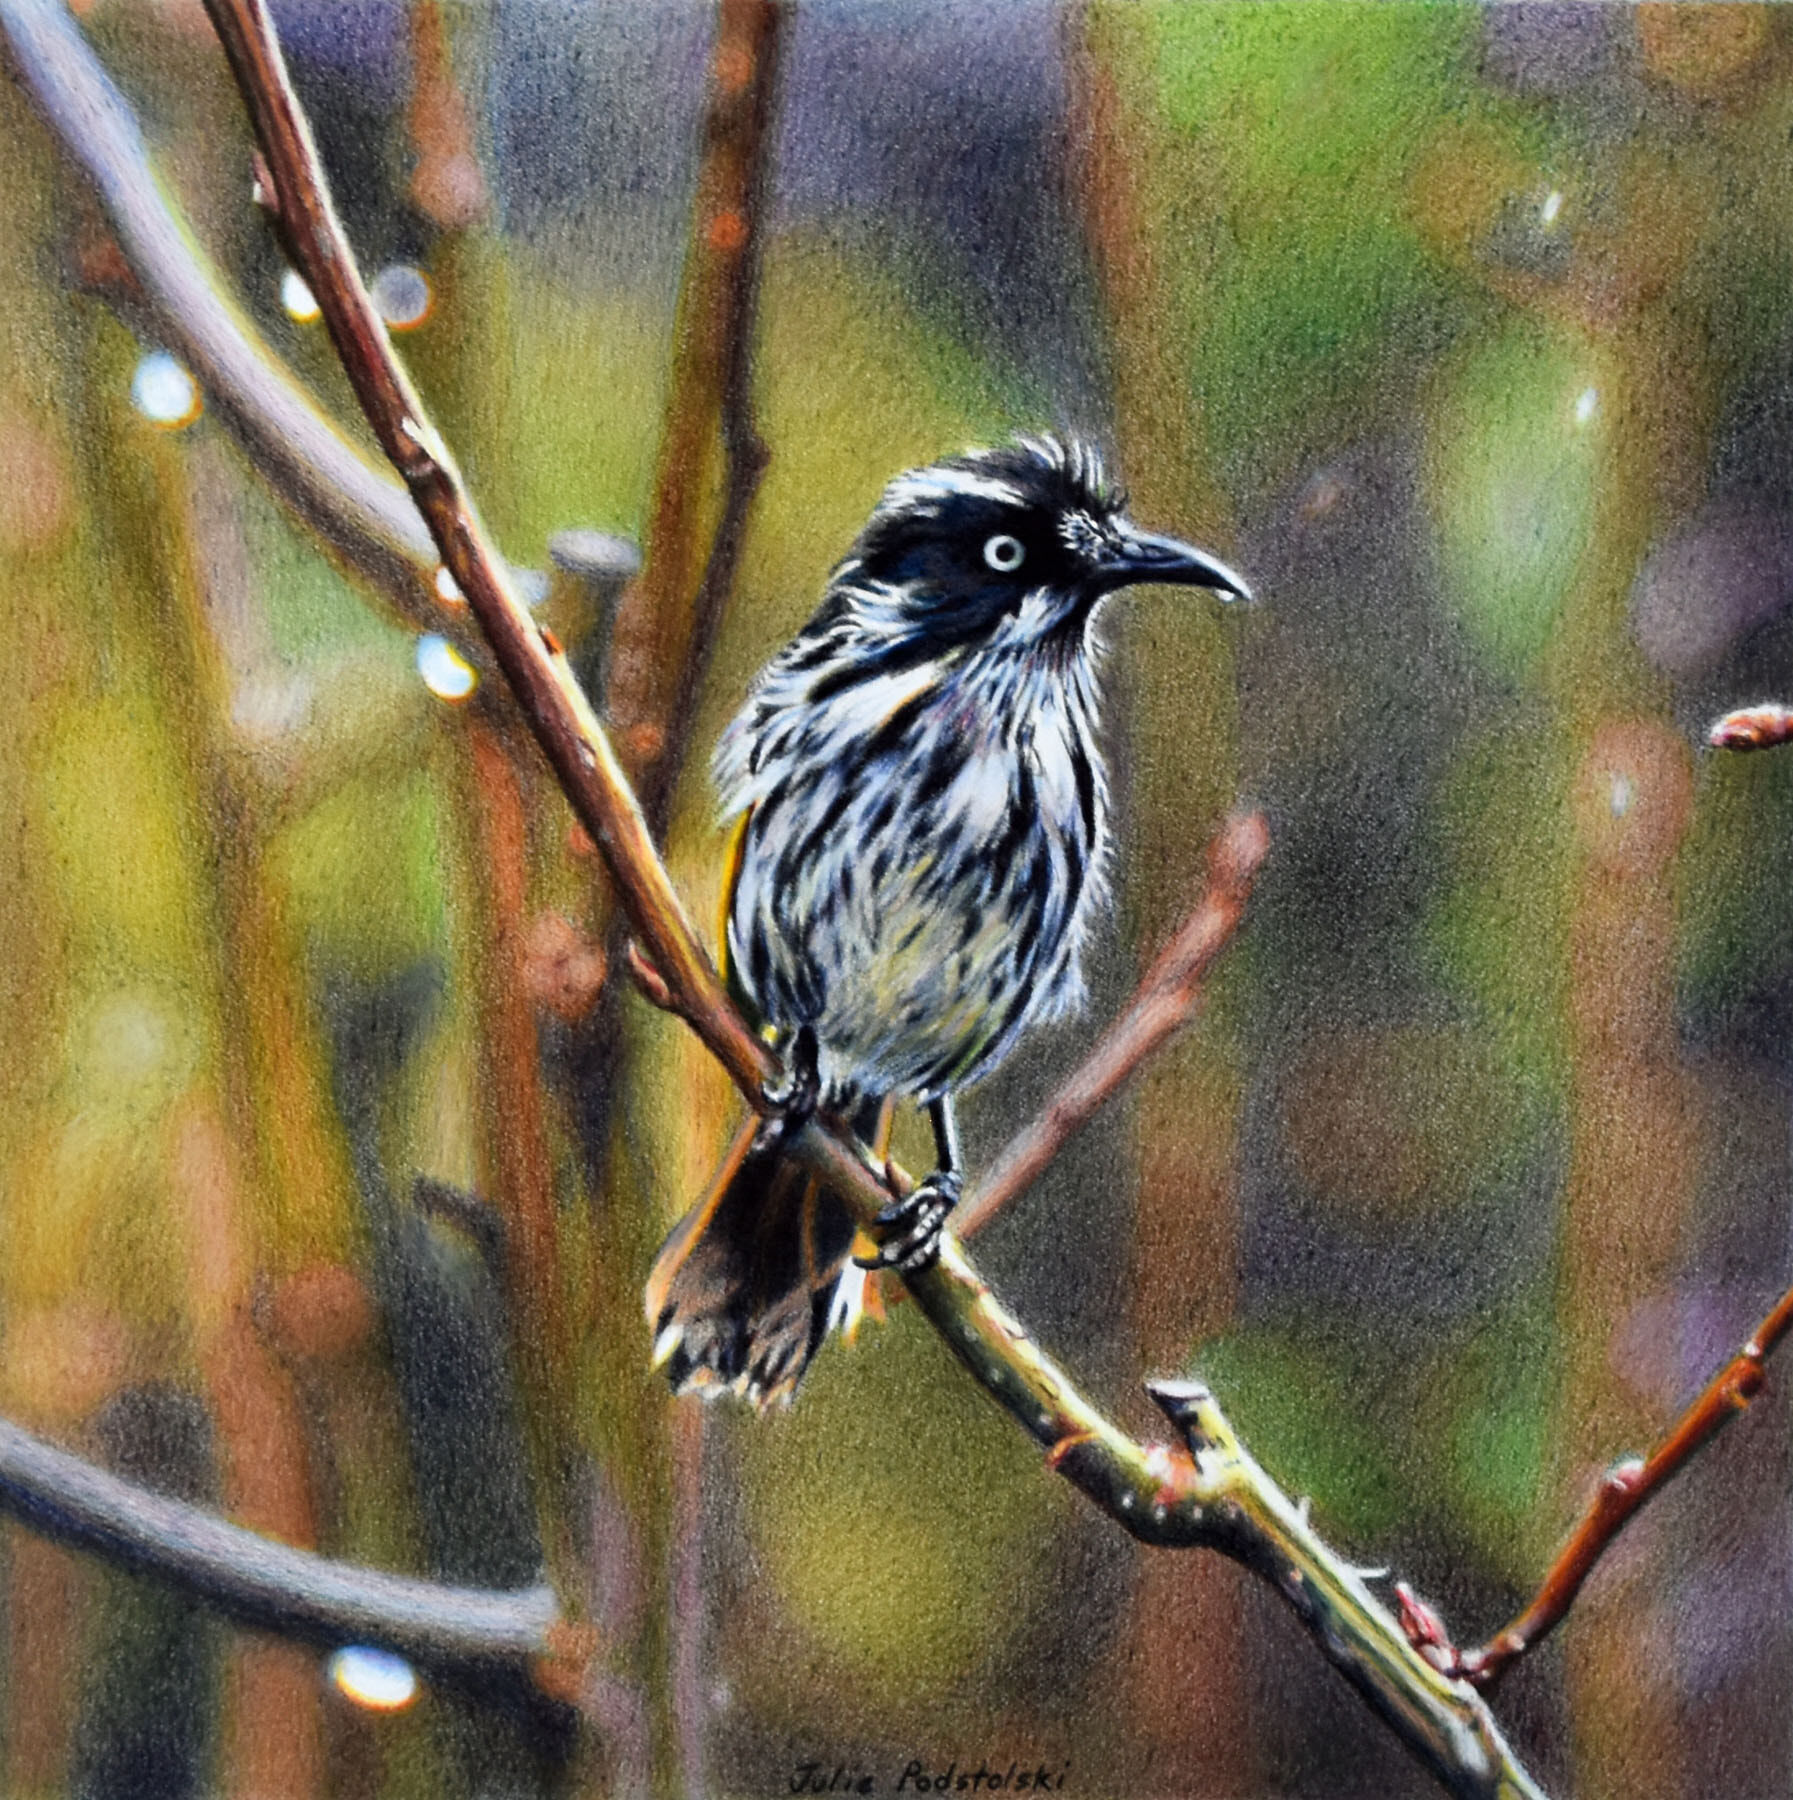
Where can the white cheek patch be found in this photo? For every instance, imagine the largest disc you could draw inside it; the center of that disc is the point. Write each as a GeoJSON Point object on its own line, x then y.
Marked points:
{"type": "Point", "coordinates": [1041, 609]}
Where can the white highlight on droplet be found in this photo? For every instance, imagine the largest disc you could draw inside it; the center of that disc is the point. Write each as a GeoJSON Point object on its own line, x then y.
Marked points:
{"type": "Point", "coordinates": [1552, 207]}
{"type": "Point", "coordinates": [1587, 403]}
{"type": "Point", "coordinates": [373, 1678]}
{"type": "Point", "coordinates": [445, 671]}
{"type": "Point", "coordinates": [401, 292]}
{"type": "Point", "coordinates": [1624, 791]}
{"type": "Point", "coordinates": [447, 588]}
{"type": "Point", "coordinates": [298, 299]}
{"type": "Point", "coordinates": [163, 391]}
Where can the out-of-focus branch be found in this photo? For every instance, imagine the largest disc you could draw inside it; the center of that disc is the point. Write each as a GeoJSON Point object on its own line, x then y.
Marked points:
{"type": "Point", "coordinates": [1753, 728]}
{"type": "Point", "coordinates": [1211, 1494]}
{"type": "Point", "coordinates": [293, 1592]}
{"type": "Point", "coordinates": [1624, 1489]}
{"type": "Point", "coordinates": [666, 625]}
{"type": "Point", "coordinates": [1167, 999]}
{"type": "Point", "coordinates": [557, 711]}
{"type": "Point", "coordinates": [358, 507]}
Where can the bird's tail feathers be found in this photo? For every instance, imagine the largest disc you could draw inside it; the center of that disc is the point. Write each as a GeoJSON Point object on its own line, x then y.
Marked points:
{"type": "Point", "coordinates": [755, 1276]}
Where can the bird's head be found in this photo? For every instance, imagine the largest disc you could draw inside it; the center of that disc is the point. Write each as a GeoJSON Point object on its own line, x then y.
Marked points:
{"type": "Point", "coordinates": [1021, 541]}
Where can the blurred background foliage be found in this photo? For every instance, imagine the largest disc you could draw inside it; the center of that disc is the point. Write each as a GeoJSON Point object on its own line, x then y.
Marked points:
{"type": "Point", "coordinates": [1467, 333]}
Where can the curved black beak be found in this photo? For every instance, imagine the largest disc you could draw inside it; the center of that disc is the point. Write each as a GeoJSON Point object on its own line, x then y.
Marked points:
{"type": "Point", "coordinates": [1145, 556]}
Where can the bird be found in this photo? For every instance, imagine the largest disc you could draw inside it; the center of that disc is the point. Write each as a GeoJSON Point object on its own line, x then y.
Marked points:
{"type": "Point", "coordinates": [920, 849]}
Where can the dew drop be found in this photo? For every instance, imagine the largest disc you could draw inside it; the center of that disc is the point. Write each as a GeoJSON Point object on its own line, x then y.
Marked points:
{"type": "Point", "coordinates": [163, 391]}
{"type": "Point", "coordinates": [446, 673]}
{"type": "Point", "coordinates": [373, 1678]}
{"type": "Point", "coordinates": [298, 299]}
{"type": "Point", "coordinates": [401, 292]}
{"type": "Point", "coordinates": [1587, 403]}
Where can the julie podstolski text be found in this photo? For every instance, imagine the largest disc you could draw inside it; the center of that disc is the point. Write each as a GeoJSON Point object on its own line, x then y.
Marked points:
{"type": "Point", "coordinates": [918, 1778]}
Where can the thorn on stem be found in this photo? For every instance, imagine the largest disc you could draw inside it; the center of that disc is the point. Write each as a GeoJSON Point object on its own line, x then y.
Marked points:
{"type": "Point", "coordinates": [261, 184]}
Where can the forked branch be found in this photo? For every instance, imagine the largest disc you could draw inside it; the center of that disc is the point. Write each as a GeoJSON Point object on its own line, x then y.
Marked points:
{"type": "Point", "coordinates": [1625, 1488]}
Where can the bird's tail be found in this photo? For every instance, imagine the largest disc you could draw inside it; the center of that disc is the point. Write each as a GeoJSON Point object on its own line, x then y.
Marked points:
{"type": "Point", "coordinates": [747, 1286]}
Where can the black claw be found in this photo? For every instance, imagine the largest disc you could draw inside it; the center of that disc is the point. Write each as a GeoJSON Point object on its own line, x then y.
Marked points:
{"type": "Point", "coordinates": [910, 1229]}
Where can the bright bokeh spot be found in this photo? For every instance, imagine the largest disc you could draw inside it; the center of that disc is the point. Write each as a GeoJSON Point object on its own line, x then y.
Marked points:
{"type": "Point", "coordinates": [373, 1678]}
{"type": "Point", "coordinates": [1514, 468]}
{"type": "Point", "coordinates": [402, 295]}
{"type": "Point", "coordinates": [1552, 208]}
{"type": "Point", "coordinates": [445, 671]}
{"type": "Point", "coordinates": [163, 391]}
{"type": "Point", "coordinates": [297, 298]}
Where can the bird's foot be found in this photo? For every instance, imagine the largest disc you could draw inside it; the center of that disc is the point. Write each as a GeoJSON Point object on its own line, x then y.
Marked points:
{"type": "Point", "coordinates": [795, 1095]}
{"type": "Point", "coordinates": [909, 1230]}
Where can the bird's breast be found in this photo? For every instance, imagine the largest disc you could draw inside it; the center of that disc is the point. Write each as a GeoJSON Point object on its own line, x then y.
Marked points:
{"type": "Point", "coordinates": [919, 870]}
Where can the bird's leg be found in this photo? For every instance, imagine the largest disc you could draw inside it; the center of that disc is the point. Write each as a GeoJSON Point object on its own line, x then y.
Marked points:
{"type": "Point", "coordinates": [794, 1099]}
{"type": "Point", "coordinates": [910, 1229]}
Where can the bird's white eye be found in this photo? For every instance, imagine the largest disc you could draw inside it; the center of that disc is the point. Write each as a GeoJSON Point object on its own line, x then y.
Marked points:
{"type": "Point", "coordinates": [1004, 553]}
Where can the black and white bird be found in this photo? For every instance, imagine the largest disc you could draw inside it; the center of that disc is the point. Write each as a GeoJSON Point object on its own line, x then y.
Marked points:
{"type": "Point", "coordinates": [922, 847]}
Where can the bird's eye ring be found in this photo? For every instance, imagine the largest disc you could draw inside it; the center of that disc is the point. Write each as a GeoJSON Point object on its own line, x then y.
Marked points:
{"type": "Point", "coordinates": [1004, 554]}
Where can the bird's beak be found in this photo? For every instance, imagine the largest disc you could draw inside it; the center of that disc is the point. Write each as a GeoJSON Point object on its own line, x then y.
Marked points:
{"type": "Point", "coordinates": [1145, 556]}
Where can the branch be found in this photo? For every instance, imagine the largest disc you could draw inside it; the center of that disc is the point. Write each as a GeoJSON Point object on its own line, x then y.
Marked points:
{"type": "Point", "coordinates": [1626, 1487]}
{"type": "Point", "coordinates": [667, 624]}
{"type": "Point", "coordinates": [1167, 999]}
{"type": "Point", "coordinates": [557, 712]}
{"type": "Point", "coordinates": [359, 508]}
{"type": "Point", "coordinates": [293, 1592]}
{"type": "Point", "coordinates": [1216, 1496]}
{"type": "Point", "coordinates": [1753, 728]}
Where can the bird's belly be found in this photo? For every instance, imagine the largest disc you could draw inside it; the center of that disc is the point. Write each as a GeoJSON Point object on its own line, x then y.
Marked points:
{"type": "Point", "coordinates": [917, 928]}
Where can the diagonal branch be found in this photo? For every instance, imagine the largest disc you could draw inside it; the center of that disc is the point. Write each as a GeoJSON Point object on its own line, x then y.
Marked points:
{"type": "Point", "coordinates": [1201, 1496]}
{"type": "Point", "coordinates": [261, 1582]}
{"type": "Point", "coordinates": [358, 507]}
{"type": "Point", "coordinates": [1624, 1490]}
{"type": "Point", "coordinates": [557, 711]}
{"type": "Point", "coordinates": [1168, 997]}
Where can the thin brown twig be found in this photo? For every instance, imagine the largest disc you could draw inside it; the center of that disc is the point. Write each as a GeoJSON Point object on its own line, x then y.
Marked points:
{"type": "Point", "coordinates": [1168, 997]}
{"type": "Point", "coordinates": [1210, 1493]}
{"type": "Point", "coordinates": [1624, 1489]}
{"type": "Point", "coordinates": [357, 506]}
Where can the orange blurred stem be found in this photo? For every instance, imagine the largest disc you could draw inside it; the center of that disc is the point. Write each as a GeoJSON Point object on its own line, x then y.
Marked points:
{"type": "Point", "coordinates": [666, 626]}
{"type": "Point", "coordinates": [1626, 1487]}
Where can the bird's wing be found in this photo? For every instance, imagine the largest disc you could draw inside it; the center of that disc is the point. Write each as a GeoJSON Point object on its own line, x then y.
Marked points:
{"type": "Point", "coordinates": [732, 859]}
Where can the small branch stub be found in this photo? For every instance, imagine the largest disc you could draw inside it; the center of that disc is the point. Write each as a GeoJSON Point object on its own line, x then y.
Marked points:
{"type": "Point", "coordinates": [1753, 728]}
